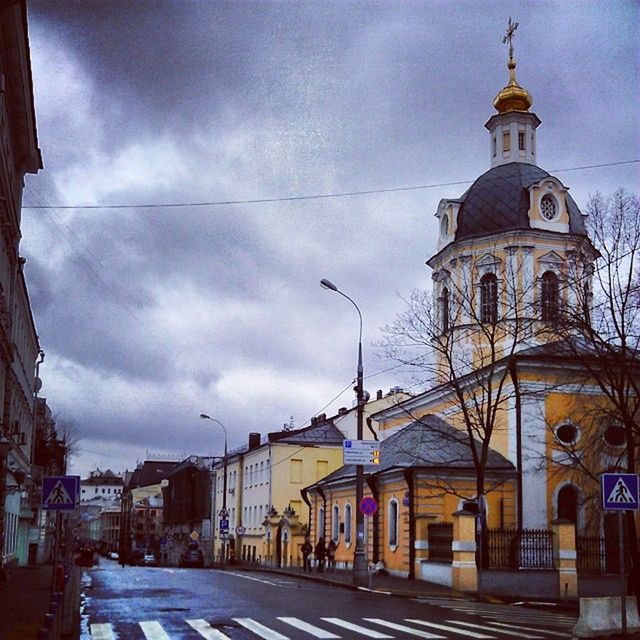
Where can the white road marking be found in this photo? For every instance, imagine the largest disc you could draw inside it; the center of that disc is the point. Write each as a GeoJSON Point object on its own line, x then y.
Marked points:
{"type": "Point", "coordinates": [549, 633]}
{"type": "Point", "coordinates": [370, 633]}
{"type": "Point", "coordinates": [102, 631]}
{"type": "Point", "coordinates": [405, 629]}
{"type": "Point", "coordinates": [206, 630]}
{"type": "Point", "coordinates": [153, 630]}
{"type": "Point", "coordinates": [309, 628]}
{"type": "Point", "coordinates": [444, 627]}
{"type": "Point", "coordinates": [260, 629]}
{"type": "Point", "coordinates": [494, 629]}
{"type": "Point", "coordinates": [240, 575]}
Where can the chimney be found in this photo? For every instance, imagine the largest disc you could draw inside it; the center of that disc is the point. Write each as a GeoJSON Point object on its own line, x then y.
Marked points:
{"type": "Point", "coordinates": [254, 441]}
{"type": "Point", "coordinates": [379, 394]}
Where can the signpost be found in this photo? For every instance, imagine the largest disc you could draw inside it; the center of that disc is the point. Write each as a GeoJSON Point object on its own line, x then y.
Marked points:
{"type": "Point", "coordinates": [361, 451]}
{"type": "Point", "coordinates": [621, 492]}
{"type": "Point", "coordinates": [60, 493]}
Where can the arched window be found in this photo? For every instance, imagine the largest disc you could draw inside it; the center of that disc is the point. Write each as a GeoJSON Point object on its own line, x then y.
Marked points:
{"type": "Point", "coordinates": [393, 523]}
{"type": "Point", "coordinates": [568, 503]}
{"type": "Point", "coordinates": [489, 298]}
{"type": "Point", "coordinates": [347, 523]}
{"type": "Point", "coordinates": [445, 302]}
{"type": "Point", "coordinates": [549, 297]}
{"type": "Point", "coordinates": [320, 522]}
{"type": "Point", "coordinates": [335, 523]}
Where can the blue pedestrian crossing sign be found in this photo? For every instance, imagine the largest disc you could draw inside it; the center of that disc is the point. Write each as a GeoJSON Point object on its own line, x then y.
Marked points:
{"type": "Point", "coordinates": [60, 493]}
{"type": "Point", "coordinates": [620, 491]}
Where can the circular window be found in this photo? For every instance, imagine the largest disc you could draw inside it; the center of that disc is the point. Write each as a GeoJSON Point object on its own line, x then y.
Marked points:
{"type": "Point", "coordinates": [567, 434]}
{"type": "Point", "coordinates": [548, 207]}
{"type": "Point", "coordinates": [614, 436]}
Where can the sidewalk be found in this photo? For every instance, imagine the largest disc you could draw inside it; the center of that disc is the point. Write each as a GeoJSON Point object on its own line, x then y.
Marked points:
{"type": "Point", "coordinates": [24, 601]}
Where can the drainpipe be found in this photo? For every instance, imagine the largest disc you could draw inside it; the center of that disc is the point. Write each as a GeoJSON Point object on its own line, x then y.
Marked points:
{"type": "Point", "coordinates": [409, 479]}
{"type": "Point", "coordinates": [305, 496]}
{"type": "Point", "coordinates": [372, 481]}
{"type": "Point", "coordinates": [518, 402]}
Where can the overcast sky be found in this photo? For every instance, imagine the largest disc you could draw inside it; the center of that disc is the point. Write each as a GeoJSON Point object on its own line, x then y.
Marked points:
{"type": "Point", "coordinates": [151, 316]}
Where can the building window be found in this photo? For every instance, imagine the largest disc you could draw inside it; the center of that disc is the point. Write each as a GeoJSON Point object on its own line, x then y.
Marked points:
{"type": "Point", "coordinates": [568, 503]}
{"type": "Point", "coordinates": [549, 296]}
{"type": "Point", "coordinates": [321, 522]}
{"type": "Point", "coordinates": [495, 146]}
{"type": "Point", "coordinates": [445, 310]}
{"type": "Point", "coordinates": [347, 524]}
{"type": "Point", "coordinates": [615, 435]}
{"type": "Point", "coordinates": [393, 523]}
{"type": "Point", "coordinates": [521, 140]}
{"type": "Point", "coordinates": [567, 434]}
{"type": "Point", "coordinates": [322, 468]}
{"type": "Point", "coordinates": [506, 141]}
{"type": "Point", "coordinates": [444, 226]}
{"type": "Point", "coordinates": [489, 298]}
{"type": "Point", "coordinates": [548, 207]}
{"type": "Point", "coordinates": [296, 471]}
{"type": "Point", "coordinates": [335, 523]}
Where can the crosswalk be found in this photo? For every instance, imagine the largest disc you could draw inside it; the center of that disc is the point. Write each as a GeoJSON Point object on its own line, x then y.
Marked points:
{"type": "Point", "coordinates": [491, 627]}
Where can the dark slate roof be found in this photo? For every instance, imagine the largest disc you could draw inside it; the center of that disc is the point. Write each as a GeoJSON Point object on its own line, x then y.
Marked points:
{"type": "Point", "coordinates": [150, 473]}
{"type": "Point", "coordinates": [427, 443]}
{"type": "Point", "coordinates": [324, 433]}
{"type": "Point", "coordinates": [499, 201]}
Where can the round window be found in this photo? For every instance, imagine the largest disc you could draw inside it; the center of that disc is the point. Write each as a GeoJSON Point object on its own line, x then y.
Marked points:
{"type": "Point", "coordinates": [614, 436]}
{"type": "Point", "coordinates": [567, 434]}
{"type": "Point", "coordinates": [548, 207]}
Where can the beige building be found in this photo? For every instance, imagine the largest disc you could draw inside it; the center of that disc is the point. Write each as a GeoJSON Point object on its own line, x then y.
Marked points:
{"type": "Point", "coordinates": [18, 340]}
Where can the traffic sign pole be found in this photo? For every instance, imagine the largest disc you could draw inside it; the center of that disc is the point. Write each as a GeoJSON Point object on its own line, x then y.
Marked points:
{"type": "Point", "coordinates": [623, 591]}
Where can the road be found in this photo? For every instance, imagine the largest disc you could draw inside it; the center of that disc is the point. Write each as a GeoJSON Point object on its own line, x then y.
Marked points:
{"type": "Point", "coordinates": [156, 603]}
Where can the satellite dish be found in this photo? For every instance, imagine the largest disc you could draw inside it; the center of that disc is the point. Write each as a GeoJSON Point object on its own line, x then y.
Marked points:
{"type": "Point", "coordinates": [37, 385]}
{"type": "Point", "coordinates": [164, 483]}
{"type": "Point", "coordinates": [366, 395]}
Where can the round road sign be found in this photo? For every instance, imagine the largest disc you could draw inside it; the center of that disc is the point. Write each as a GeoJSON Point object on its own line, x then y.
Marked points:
{"type": "Point", "coordinates": [368, 506]}
{"type": "Point", "coordinates": [240, 531]}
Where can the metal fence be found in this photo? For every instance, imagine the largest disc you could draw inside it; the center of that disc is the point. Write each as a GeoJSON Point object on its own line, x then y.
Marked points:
{"type": "Point", "coordinates": [513, 549]}
{"type": "Point", "coordinates": [440, 539]}
{"type": "Point", "coordinates": [591, 554]}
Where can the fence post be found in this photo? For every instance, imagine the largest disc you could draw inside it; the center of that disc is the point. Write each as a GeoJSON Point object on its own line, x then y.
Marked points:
{"type": "Point", "coordinates": [564, 557]}
{"type": "Point", "coordinates": [464, 571]}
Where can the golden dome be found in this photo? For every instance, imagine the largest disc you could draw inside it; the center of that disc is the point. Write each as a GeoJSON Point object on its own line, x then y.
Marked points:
{"type": "Point", "coordinates": [513, 97]}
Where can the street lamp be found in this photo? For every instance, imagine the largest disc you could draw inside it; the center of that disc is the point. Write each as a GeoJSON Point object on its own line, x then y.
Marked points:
{"type": "Point", "coordinates": [359, 560]}
{"type": "Point", "coordinates": [224, 514]}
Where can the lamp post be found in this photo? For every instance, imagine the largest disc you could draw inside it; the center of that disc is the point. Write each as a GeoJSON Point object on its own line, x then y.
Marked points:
{"type": "Point", "coordinates": [224, 514]}
{"type": "Point", "coordinates": [359, 559]}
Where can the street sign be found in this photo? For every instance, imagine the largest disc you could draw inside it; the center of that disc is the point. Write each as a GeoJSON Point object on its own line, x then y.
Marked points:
{"type": "Point", "coordinates": [194, 535]}
{"type": "Point", "coordinates": [60, 493]}
{"type": "Point", "coordinates": [368, 506]}
{"type": "Point", "coordinates": [240, 530]}
{"type": "Point", "coordinates": [620, 491]}
{"type": "Point", "coordinates": [224, 525]}
{"type": "Point", "coordinates": [361, 451]}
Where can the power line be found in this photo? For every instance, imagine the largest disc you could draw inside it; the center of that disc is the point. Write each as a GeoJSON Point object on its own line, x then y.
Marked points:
{"type": "Point", "coordinates": [317, 196]}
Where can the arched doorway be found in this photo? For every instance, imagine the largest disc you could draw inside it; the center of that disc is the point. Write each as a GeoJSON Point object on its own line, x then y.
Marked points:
{"type": "Point", "coordinates": [568, 504]}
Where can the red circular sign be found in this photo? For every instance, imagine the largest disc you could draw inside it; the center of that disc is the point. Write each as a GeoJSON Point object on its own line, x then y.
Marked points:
{"type": "Point", "coordinates": [368, 506]}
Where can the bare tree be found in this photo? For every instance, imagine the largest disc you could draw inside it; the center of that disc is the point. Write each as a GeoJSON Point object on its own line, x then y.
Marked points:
{"type": "Point", "coordinates": [68, 432]}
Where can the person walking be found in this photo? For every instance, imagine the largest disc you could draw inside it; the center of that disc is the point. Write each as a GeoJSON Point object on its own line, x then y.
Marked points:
{"type": "Point", "coordinates": [306, 549]}
{"type": "Point", "coordinates": [331, 555]}
{"type": "Point", "coordinates": [320, 552]}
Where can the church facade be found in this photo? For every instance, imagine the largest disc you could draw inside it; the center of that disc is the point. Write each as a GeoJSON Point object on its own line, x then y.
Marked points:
{"type": "Point", "coordinates": [508, 402]}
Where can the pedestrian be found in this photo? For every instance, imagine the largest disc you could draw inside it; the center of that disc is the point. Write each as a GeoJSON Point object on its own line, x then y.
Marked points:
{"type": "Point", "coordinates": [331, 555]}
{"type": "Point", "coordinates": [306, 549]}
{"type": "Point", "coordinates": [320, 555]}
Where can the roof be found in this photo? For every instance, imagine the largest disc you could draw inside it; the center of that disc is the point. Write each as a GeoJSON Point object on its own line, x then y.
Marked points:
{"type": "Point", "coordinates": [426, 443]}
{"type": "Point", "coordinates": [150, 473]}
{"type": "Point", "coordinates": [499, 201]}
{"type": "Point", "coordinates": [325, 433]}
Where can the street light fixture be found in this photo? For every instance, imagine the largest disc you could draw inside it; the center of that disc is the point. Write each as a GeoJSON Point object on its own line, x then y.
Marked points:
{"type": "Point", "coordinates": [359, 559]}
{"type": "Point", "coordinates": [224, 514]}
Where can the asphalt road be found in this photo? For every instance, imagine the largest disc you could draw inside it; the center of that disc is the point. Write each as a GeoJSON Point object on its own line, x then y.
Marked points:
{"type": "Point", "coordinates": [131, 603]}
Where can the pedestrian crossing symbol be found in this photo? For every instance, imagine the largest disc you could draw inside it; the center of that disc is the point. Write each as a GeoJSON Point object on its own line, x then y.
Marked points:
{"type": "Point", "coordinates": [59, 493]}
{"type": "Point", "coordinates": [620, 491]}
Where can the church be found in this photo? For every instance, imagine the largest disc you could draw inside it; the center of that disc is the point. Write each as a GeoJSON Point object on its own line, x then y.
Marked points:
{"type": "Point", "coordinates": [509, 409]}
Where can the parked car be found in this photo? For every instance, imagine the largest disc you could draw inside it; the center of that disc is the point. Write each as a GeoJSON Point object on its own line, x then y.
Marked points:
{"type": "Point", "coordinates": [150, 560]}
{"type": "Point", "coordinates": [192, 557]}
{"type": "Point", "coordinates": [114, 555]}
